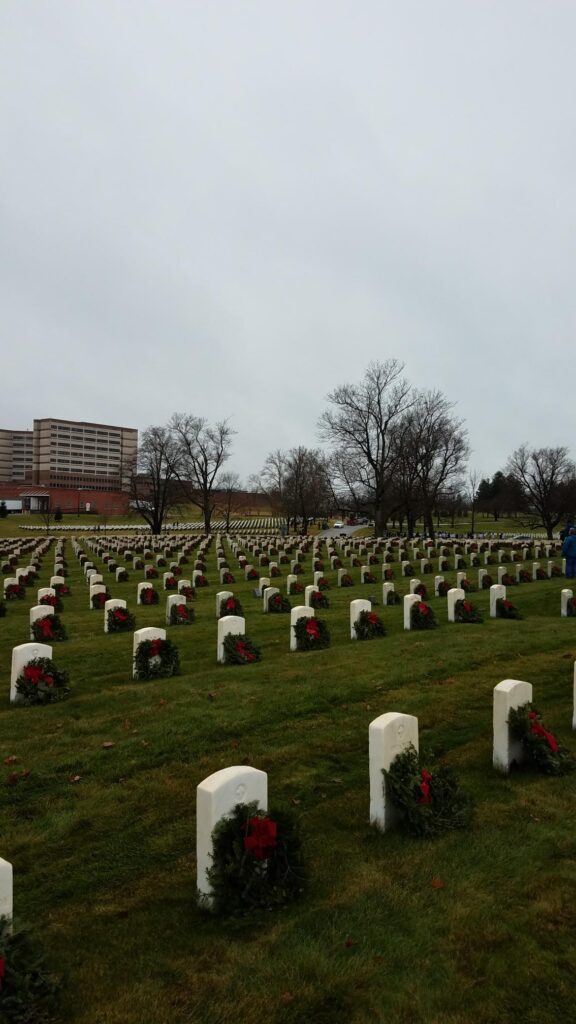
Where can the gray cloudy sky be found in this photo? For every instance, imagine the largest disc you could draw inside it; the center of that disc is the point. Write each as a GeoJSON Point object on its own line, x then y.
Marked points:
{"type": "Point", "coordinates": [229, 208]}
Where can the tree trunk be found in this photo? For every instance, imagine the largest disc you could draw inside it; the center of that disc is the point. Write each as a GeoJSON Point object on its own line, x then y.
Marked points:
{"type": "Point", "coordinates": [379, 522]}
{"type": "Point", "coordinates": [429, 524]}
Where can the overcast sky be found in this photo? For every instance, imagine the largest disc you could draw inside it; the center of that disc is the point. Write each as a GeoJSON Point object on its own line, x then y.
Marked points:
{"type": "Point", "coordinates": [229, 208]}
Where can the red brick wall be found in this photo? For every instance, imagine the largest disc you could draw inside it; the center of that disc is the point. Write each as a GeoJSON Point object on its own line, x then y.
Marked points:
{"type": "Point", "coordinates": [70, 500]}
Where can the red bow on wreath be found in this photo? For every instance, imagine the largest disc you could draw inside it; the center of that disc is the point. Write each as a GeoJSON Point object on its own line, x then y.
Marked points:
{"type": "Point", "coordinates": [312, 629]}
{"type": "Point", "coordinates": [243, 651]}
{"type": "Point", "coordinates": [372, 618]}
{"type": "Point", "coordinates": [155, 648]}
{"type": "Point", "coordinates": [45, 627]}
{"type": "Point", "coordinates": [33, 674]}
{"type": "Point", "coordinates": [424, 787]}
{"type": "Point", "coordinates": [262, 838]}
{"type": "Point", "coordinates": [538, 730]}
{"type": "Point", "coordinates": [422, 608]}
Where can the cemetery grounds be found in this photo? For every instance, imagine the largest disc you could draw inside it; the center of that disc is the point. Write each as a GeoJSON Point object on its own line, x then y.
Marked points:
{"type": "Point", "coordinates": [475, 927]}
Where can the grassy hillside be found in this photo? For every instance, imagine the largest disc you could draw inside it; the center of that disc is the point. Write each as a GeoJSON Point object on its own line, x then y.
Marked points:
{"type": "Point", "coordinates": [471, 927]}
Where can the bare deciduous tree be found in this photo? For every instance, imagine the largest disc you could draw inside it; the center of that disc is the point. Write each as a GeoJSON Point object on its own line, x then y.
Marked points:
{"type": "Point", "coordinates": [359, 426]}
{"type": "Point", "coordinates": [230, 497]}
{"type": "Point", "coordinates": [203, 449]}
{"type": "Point", "coordinates": [307, 489]}
{"type": "Point", "coordinates": [438, 444]}
{"type": "Point", "coordinates": [272, 479]}
{"type": "Point", "coordinates": [152, 477]}
{"type": "Point", "coordinates": [547, 477]}
{"type": "Point", "coordinates": [297, 483]}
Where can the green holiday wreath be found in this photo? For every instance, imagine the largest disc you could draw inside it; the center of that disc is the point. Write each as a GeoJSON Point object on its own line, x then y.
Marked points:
{"type": "Point", "coordinates": [156, 659]}
{"type": "Point", "coordinates": [368, 625]}
{"type": "Point", "coordinates": [311, 633]}
{"type": "Point", "coordinates": [464, 611]}
{"type": "Point", "coordinates": [52, 601]}
{"type": "Point", "coordinates": [27, 990]}
{"type": "Point", "coordinates": [41, 682]}
{"type": "Point", "coordinates": [257, 862]}
{"type": "Point", "coordinates": [47, 629]}
{"type": "Point", "coordinates": [422, 616]}
{"type": "Point", "coordinates": [181, 615]}
{"type": "Point", "coordinates": [278, 604]}
{"type": "Point", "coordinates": [230, 606]}
{"type": "Point", "coordinates": [428, 803]}
{"type": "Point", "coordinates": [506, 610]}
{"type": "Point", "coordinates": [120, 620]}
{"type": "Point", "coordinates": [239, 650]}
{"type": "Point", "coordinates": [540, 747]}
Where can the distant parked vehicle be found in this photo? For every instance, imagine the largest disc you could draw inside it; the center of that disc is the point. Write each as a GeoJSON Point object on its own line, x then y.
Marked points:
{"type": "Point", "coordinates": [337, 524]}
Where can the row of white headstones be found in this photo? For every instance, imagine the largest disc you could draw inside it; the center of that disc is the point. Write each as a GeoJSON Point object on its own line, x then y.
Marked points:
{"type": "Point", "coordinates": [236, 624]}
{"type": "Point", "coordinates": [96, 579]}
{"type": "Point", "coordinates": [388, 736]}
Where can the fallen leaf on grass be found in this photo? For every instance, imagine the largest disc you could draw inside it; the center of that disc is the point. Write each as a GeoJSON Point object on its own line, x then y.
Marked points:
{"type": "Point", "coordinates": [286, 998]}
{"type": "Point", "coordinates": [349, 942]}
{"type": "Point", "coordinates": [10, 760]}
{"type": "Point", "coordinates": [107, 744]}
{"type": "Point", "coordinates": [74, 778]}
{"type": "Point", "coordinates": [126, 724]}
{"type": "Point", "coordinates": [437, 883]}
{"type": "Point", "coordinates": [14, 777]}
{"type": "Point", "coordinates": [211, 696]}
{"type": "Point", "coordinates": [162, 703]}
{"type": "Point", "coordinates": [337, 782]}
{"type": "Point", "coordinates": [295, 801]}
{"type": "Point", "coordinates": [235, 744]}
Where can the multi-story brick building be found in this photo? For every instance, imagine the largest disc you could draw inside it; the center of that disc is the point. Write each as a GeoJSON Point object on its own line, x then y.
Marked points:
{"type": "Point", "coordinates": [71, 465]}
{"type": "Point", "coordinates": [16, 456]}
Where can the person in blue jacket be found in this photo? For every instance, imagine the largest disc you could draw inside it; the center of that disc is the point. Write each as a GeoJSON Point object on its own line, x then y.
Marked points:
{"type": "Point", "coordinates": [569, 552]}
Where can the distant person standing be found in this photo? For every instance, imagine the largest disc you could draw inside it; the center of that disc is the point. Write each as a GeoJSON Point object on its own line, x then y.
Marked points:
{"type": "Point", "coordinates": [564, 533]}
{"type": "Point", "coordinates": [569, 552]}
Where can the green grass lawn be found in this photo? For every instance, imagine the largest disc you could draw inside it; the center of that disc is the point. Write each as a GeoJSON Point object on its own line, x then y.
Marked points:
{"type": "Point", "coordinates": [472, 927]}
